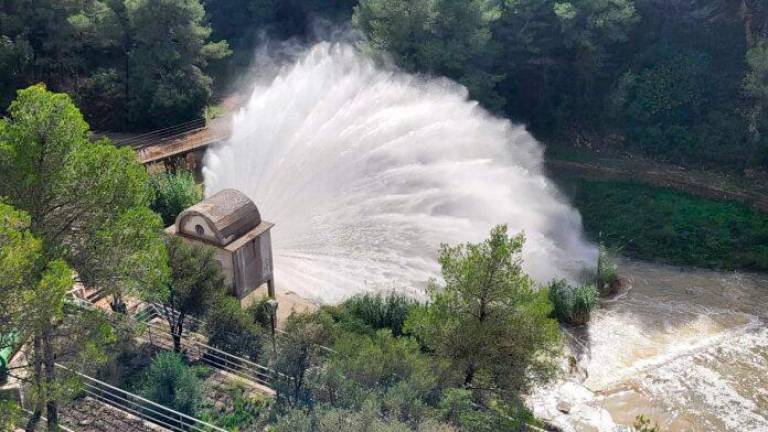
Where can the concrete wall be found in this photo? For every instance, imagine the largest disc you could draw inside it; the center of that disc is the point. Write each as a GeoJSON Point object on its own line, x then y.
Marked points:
{"type": "Point", "coordinates": [188, 228]}
{"type": "Point", "coordinates": [253, 266]}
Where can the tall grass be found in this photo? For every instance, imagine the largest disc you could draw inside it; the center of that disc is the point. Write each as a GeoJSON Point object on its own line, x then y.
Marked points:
{"type": "Point", "coordinates": [607, 272]}
{"type": "Point", "coordinates": [379, 311]}
{"type": "Point", "coordinates": [572, 304]}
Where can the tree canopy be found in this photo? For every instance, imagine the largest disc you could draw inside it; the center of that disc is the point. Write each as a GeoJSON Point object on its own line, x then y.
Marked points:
{"type": "Point", "coordinates": [80, 209]}
{"type": "Point", "coordinates": [488, 319]}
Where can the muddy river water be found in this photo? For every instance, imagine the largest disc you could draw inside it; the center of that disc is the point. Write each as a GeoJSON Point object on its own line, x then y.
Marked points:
{"type": "Point", "coordinates": [686, 347]}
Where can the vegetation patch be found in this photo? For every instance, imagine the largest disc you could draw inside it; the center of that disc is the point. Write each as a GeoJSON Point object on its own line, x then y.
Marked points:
{"type": "Point", "coordinates": [572, 304]}
{"type": "Point", "coordinates": [659, 224]}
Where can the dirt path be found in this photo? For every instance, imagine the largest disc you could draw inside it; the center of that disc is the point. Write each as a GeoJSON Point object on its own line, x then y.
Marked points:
{"type": "Point", "coordinates": [750, 189]}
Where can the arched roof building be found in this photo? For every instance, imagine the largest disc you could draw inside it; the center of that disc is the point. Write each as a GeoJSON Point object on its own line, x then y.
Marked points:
{"type": "Point", "coordinates": [230, 222]}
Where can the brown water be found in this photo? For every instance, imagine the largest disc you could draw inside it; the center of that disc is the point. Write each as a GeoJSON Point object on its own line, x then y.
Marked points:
{"type": "Point", "coordinates": [685, 347]}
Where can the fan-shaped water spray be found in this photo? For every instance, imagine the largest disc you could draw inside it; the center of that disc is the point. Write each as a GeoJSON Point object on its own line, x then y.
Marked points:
{"type": "Point", "coordinates": [366, 171]}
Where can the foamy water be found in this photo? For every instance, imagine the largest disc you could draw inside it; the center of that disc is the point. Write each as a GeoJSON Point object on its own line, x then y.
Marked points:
{"type": "Point", "coordinates": [366, 171]}
{"type": "Point", "coordinates": [688, 348]}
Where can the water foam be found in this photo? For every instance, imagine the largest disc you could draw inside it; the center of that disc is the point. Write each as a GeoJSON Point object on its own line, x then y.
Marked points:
{"type": "Point", "coordinates": [366, 171]}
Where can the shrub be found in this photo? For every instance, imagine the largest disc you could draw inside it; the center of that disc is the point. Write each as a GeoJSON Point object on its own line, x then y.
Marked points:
{"type": "Point", "coordinates": [606, 272]}
{"type": "Point", "coordinates": [458, 408]}
{"type": "Point", "coordinates": [299, 351]}
{"type": "Point", "coordinates": [242, 412]}
{"type": "Point", "coordinates": [572, 305]}
{"type": "Point", "coordinates": [260, 314]}
{"type": "Point", "coordinates": [643, 424]}
{"type": "Point", "coordinates": [172, 383]}
{"type": "Point", "coordinates": [10, 414]}
{"type": "Point", "coordinates": [174, 193]}
{"type": "Point", "coordinates": [391, 373]}
{"type": "Point", "coordinates": [231, 329]}
{"type": "Point", "coordinates": [380, 311]}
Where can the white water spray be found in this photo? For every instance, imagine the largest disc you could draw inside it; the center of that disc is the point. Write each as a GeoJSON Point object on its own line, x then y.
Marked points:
{"type": "Point", "coordinates": [367, 171]}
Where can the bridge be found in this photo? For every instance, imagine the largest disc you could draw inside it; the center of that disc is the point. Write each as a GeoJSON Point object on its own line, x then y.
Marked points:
{"type": "Point", "coordinates": [167, 144]}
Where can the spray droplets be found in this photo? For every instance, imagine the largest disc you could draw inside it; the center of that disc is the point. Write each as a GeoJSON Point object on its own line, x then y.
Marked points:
{"type": "Point", "coordinates": [367, 171]}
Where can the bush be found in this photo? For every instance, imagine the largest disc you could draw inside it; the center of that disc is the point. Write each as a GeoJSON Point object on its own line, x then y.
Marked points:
{"type": "Point", "coordinates": [380, 311]}
{"type": "Point", "coordinates": [390, 373]}
{"type": "Point", "coordinates": [606, 272]}
{"type": "Point", "coordinates": [458, 408]}
{"type": "Point", "coordinates": [260, 314]}
{"type": "Point", "coordinates": [299, 351]}
{"type": "Point", "coordinates": [232, 329]}
{"type": "Point", "coordinates": [643, 424]}
{"type": "Point", "coordinates": [572, 305]}
{"type": "Point", "coordinates": [242, 412]}
{"type": "Point", "coordinates": [174, 193]}
{"type": "Point", "coordinates": [10, 414]}
{"type": "Point", "coordinates": [170, 382]}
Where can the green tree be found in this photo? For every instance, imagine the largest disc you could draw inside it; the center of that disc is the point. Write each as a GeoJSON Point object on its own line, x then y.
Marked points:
{"type": "Point", "coordinates": [196, 282]}
{"type": "Point", "coordinates": [558, 54]}
{"type": "Point", "coordinates": [441, 37]}
{"type": "Point", "coordinates": [329, 419]}
{"type": "Point", "coordinates": [34, 292]}
{"type": "Point", "coordinates": [80, 195]}
{"type": "Point", "coordinates": [383, 372]}
{"type": "Point", "coordinates": [172, 383]}
{"type": "Point", "coordinates": [174, 193]}
{"type": "Point", "coordinates": [665, 101]}
{"type": "Point", "coordinates": [10, 414]}
{"type": "Point", "coordinates": [71, 189]}
{"type": "Point", "coordinates": [232, 329]}
{"type": "Point", "coordinates": [170, 49]}
{"type": "Point", "coordinates": [299, 351]}
{"type": "Point", "coordinates": [20, 252]}
{"type": "Point", "coordinates": [487, 320]}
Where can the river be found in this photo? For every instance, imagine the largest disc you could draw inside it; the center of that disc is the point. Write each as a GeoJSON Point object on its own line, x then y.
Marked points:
{"type": "Point", "coordinates": [686, 347]}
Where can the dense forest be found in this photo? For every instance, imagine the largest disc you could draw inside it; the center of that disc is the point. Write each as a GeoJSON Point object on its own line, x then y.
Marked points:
{"type": "Point", "coordinates": [680, 80]}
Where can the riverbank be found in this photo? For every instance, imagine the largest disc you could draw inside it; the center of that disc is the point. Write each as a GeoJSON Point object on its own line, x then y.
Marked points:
{"type": "Point", "coordinates": [684, 347]}
{"type": "Point", "coordinates": [665, 225]}
{"type": "Point", "coordinates": [749, 187]}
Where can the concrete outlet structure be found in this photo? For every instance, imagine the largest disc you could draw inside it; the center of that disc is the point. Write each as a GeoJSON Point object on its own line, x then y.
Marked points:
{"type": "Point", "coordinates": [230, 223]}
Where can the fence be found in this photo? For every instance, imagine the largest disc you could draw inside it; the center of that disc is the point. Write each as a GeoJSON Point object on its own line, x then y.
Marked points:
{"type": "Point", "coordinates": [157, 136]}
{"type": "Point", "coordinates": [241, 367]}
{"type": "Point", "coordinates": [158, 335]}
{"type": "Point", "coordinates": [141, 407]}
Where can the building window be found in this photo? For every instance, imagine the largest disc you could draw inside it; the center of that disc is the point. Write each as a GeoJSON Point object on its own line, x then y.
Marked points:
{"type": "Point", "coordinates": [199, 230]}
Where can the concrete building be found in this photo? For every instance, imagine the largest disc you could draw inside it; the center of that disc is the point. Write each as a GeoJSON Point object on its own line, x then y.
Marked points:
{"type": "Point", "coordinates": [230, 222]}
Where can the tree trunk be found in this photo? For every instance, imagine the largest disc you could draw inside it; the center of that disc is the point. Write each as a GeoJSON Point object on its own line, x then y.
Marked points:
{"type": "Point", "coordinates": [117, 304]}
{"type": "Point", "coordinates": [38, 373]}
{"type": "Point", "coordinates": [176, 334]}
{"type": "Point", "coordinates": [470, 374]}
{"type": "Point", "coordinates": [32, 423]}
{"type": "Point", "coordinates": [52, 405]}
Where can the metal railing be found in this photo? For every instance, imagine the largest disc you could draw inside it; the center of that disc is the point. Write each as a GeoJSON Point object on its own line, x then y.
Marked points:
{"type": "Point", "coordinates": [141, 407]}
{"type": "Point", "coordinates": [159, 135]}
{"type": "Point", "coordinates": [243, 368]}
{"type": "Point", "coordinates": [179, 144]}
